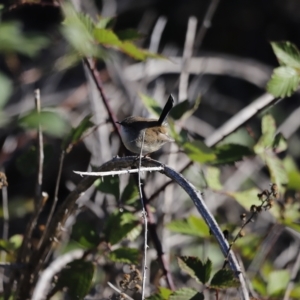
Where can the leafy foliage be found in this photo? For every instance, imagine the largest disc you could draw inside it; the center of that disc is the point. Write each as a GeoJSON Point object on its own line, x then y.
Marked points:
{"type": "Point", "coordinates": [119, 225]}
{"type": "Point", "coordinates": [191, 226]}
{"type": "Point", "coordinates": [76, 133]}
{"type": "Point", "coordinates": [77, 278]}
{"type": "Point", "coordinates": [130, 194]}
{"type": "Point", "coordinates": [287, 54]}
{"type": "Point", "coordinates": [199, 152]}
{"type": "Point", "coordinates": [186, 294]}
{"type": "Point", "coordinates": [13, 40]}
{"type": "Point", "coordinates": [230, 153]}
{"type": "Point", "coordinates": [213, 178]}
{"type": "Point", "coordinates": [109, 185]}
{"type": "Point", "coordinates": [285, 79]}
{"type": "Point", "coordinates": [277, 282]}
{"type": "Point", "coordinates": [224, 279]}
{"type": "Point", "coordinates": [51, 122]}
{"type": "Point", "coordinates": [284, 82]}
{"type": "Point", "coordinates": [265, 149]}
{"type": "Point", "coordinates": [163, 293]}
{"type": "Point", "coordinates": [85, 36]}
{"type": "Point", "coordinates": [195, 268]}
{"type": "Point", "coordinates": [85, 234]}
{"type": "Point", "coordinates": [245, 198]}
{"type": "Point", "coordinates": [125, 255]}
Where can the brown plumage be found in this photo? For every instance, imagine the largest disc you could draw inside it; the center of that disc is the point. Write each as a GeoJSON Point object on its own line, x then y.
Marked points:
{"type": "Point", "coordinates": [156, 132]}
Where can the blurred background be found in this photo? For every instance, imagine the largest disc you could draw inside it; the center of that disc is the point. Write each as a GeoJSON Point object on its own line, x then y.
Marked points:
{"type": "Point", "coordinates": [222, 47]}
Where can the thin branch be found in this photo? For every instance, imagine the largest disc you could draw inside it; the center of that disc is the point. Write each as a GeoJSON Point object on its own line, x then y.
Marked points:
{"type": "Point", "coordinates": [239, 119]}
{"type": "Point", "coordinates": [3, 186]}
{"type": "Point", "coordinates": [69, 206]}
{"type": "Point", "coordinates": [119, 172]}
{"type": "Point", "coordinates": [44, 283]}
{"type": "Point", "coordinates": [40, 147]}
{"type": "Point", "coordinates": [144, 214]}
{"type": "Point", "coordinates": [156, 34]}
{"type": "Point", "coordinates": [118, 291]}
{"type": "Point", "coordinates": [293, 277]}
{"type": "Point", "coordinates": [40, 199]}
{"type": "Point", "coordinates": [61, 162]}
{"type": "Point", "coordinates": [90, 63]}
{"type": "Point", "coordinates": [205, 24]}
{"type": "Point", "coordinates": [247, 69]}
{"type": "Point", "coordinates": [187, 54]}
{"type": "Point", "coordinates": [158, 247]}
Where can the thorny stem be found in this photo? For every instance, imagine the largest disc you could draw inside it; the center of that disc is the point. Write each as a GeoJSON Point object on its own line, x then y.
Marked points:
{"type": "Point", "coordinates": [144, 214]}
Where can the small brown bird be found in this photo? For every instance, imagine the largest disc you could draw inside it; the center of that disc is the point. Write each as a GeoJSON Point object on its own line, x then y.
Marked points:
{"type": "Point", "coordinates": [156, 131]}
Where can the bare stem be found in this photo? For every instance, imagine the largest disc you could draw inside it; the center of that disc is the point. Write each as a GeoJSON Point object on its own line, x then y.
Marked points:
{"type": "Point", "coordinates": [40, 147]}
{"type": "Point", "coordinates": [61, 161]}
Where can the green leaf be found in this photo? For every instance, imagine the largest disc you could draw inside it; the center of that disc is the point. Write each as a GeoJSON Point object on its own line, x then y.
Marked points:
{"type": "Point", "coordinates": [184, 109]}
{"type": "Point", "coordinates": [259, 285]}
{"type": "Point", "coordinates": [77, 278]}
{"type": "Point", "coordinates": [212, 178]}
{"type": "Point", "coordinates": [51, 122]}
{"type": "Point", "coordinates": [130, 194]}
{"type": "Point", "coordinates": [279, 143]}
{"type": "Point", "coordinates": [284, 82]}
{"type": "Point", "coordinates": [191, 226]}
{"type": "Point", "coordinates": [13, 40]}
{"type": "Point", "coordinates": [118, 226]}
{"type": "Point", "coordinates": [231, 153]}
{"type": "Point", "coordinates": [195, 268]}
{"type": "Point", "coordinates": [16, 241]}
{"type": "Point", "coordinates": [78, 30]}
{"type": "Point", "coordinates": [224, 279]}
{"type": "Point", "coordinates": [246, 198]}
{"type": "Point", "coordinates": [76, 133]}
{"type": "Point", "coordinates": [162, 294]}
{"type": "Point", "coordinates": [68, 60]}
{"type": "Point", "coordinates": [104, 22]}
{"type": "Point", "coordinates": [137, 53]}
{"type": "Point", "coordinates": [125, 255]}
{"type": "Point", "coordinates": [239, 137]}
{"type": "Point", "coordinates": [109, 185]}
{"type": "Point", "coordinates": [129, 35]}
{"type": "Point", "coordinates": [85, 234]}
{"type": "Point", "coordinates": [293, 180]}
{"type": "Point", "coordinates": [289, 164]}
{"type": "Point", "coordinates": [277, 282]}
{"type": "Point", "coordinates": [12, 244]}
{"type": "Point", "coordinates": [276, 169]}
{"type": "Point", "coordinates": [5, 88]}
{"type": "Point", "coordinates": [180, 109]}
{"type": "Point", "coordinates": [107, 37]}
{"type": "Point", "coordinates": [295, 293]}
{"type": "Point", "coordinates": [287, 54]}
{"type": "Point", "coordinates": [186, 294]}
{"type": "Point", "coordinates": [199, 152]}
{"type": "Point", "coordinates": [268, 128]}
